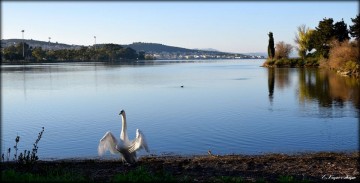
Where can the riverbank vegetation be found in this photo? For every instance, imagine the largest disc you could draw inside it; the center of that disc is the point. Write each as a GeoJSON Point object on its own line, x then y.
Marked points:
{"type": "Point", "coordinates": [22, 52]}
{"type": "Point", "coordinates": [306, 167]}
{"type": "Point", "coordinates": [27, 157]}
{"type": "Point", "coordinates": [327, 46]}
{"type": "Point", "coordinates": [301, 167]}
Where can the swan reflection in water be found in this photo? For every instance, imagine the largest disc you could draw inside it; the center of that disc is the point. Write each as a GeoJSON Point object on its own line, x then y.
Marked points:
{"type": "Point", "coordinates": [126, 148]}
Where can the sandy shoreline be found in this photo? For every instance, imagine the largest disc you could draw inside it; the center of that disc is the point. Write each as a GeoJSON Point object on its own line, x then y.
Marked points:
{"type": "Point", "coordinates": [321, 166]}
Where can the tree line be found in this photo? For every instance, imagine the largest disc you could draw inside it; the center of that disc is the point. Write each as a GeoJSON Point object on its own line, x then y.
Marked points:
{"type": "Point", "coordinates": [328, 45]}
{"type": "Point", "coordinates": [106, 52]}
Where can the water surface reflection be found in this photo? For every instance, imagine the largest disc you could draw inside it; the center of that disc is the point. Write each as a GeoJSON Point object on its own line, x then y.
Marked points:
{"type": "Point", "coordinates": [326, 88]}
{"type": "Point", "coordinates": [224, 106]}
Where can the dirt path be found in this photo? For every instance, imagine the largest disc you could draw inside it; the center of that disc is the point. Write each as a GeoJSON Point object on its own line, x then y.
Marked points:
{"type": "Point", "coordinates": [341, 167]}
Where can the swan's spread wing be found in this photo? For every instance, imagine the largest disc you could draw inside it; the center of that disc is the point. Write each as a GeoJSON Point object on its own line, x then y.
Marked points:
{"type": "Point", "coordinates": [139, 142]}
{"type": "Point", "coordinates": [108, 142]}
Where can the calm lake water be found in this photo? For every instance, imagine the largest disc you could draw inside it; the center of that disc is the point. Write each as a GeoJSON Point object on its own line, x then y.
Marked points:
{"type": "Point", "coordinates": [226, 106]}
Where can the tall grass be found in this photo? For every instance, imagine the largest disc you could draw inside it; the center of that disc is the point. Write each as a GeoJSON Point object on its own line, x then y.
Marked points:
{"type": "Point", "coordinates": [344, 57]}
{"type": "Point", "coordinates": [28, 157]}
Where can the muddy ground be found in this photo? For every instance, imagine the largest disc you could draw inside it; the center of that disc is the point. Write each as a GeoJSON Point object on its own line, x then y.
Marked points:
{"type": "Point", "coordinates": [322, 166]}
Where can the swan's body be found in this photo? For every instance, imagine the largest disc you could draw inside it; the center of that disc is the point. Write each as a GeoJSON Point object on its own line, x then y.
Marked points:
{"type": "Point", "coordinates": [124, 146]}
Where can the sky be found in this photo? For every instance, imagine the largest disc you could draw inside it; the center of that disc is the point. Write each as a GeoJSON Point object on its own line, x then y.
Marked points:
{"type": "Point", "coordinates": [239, 27]}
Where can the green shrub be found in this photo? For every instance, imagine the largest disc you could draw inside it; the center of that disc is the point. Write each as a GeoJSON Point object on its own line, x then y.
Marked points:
{"type": "Point", "coordinates": [52, 176]}
{"type": "Point", "coordinates": [292, 62]}
{"type": "Point", "coordinates": [311, 62]}
{"type": "Point", "coordinates": [269, 63]}
{"type": "Point", "coordinates": [351, 66]}
{"type": "Point", "coordinates": [141, 174]}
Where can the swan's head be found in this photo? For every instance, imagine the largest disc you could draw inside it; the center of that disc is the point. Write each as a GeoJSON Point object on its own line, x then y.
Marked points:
{"type": "Point", "coordinates": [122, 112]}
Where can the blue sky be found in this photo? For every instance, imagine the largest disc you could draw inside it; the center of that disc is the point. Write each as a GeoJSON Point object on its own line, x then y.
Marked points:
{"type": "Point", "coordinates": [240, 27]}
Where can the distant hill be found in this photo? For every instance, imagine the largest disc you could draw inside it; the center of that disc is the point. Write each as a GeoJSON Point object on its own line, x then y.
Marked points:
{"type": "Point", "coordinates": [207, 49]}
{"type": "Point", "coordinates": [264, 54]}
{"type": "Point", "coordinates": [138, 46]}
{"type": "Point", "coordinates": [155, 47]}
{"type": "Point", "coordinates": [36, 43]}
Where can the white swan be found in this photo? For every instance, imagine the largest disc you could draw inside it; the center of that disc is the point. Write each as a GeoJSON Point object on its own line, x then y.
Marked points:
{"type": "Point", "coordinates": [126, 148]}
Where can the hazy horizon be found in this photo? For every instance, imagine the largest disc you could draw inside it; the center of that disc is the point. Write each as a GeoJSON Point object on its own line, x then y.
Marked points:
{"type": "Point", "coordinates": [238, 27]}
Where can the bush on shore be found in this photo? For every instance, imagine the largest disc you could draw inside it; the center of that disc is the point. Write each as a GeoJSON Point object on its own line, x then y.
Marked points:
{"type": "Point", "coordinates": [343, 57]}
{"type": "Point", "coordinates": [291, 62]}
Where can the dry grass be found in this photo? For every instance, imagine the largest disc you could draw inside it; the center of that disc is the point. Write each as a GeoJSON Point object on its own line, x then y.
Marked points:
{"type": "Point", "coordinates": [282, 50]}
{"type": "Point", "coordinates": [344, 57]}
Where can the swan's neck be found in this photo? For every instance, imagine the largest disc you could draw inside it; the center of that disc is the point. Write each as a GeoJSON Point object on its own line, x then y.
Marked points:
{"type": "Point", "coordinates": [123, 134]}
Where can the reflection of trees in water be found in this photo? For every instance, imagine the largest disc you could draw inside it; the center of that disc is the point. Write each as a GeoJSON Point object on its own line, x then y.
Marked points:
{"type": "Point", "coordinates": [313, 85]}
{"type": "Point", "coordinates": [271, 83]}
{"type": "Point", "coordinates": [281, 75]}
{"type": "Point", "coordinates": [282, 78]}
{"type": "Point", "coordinates": [328, 88]}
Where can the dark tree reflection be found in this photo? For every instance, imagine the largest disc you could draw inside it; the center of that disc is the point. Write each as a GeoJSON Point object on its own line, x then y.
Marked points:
{"type": "Point", "coordinates": [282, 77]}
{"type": "Point", "coordinates": [328, 88]}
{"type": "Point", "coordinates": [271, 83]}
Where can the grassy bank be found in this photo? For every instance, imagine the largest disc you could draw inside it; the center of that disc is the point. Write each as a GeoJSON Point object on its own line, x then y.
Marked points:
{"type": "Point", "coordinates": [291, 62]}
{"type": "Point", "coordinates": [349, 68]}
{"type": "Point", "coordinates": [309, 167]}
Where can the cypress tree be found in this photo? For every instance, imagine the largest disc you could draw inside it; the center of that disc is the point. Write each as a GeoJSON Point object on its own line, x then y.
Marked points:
{"type": "Point", "coordinates": [271, 48]}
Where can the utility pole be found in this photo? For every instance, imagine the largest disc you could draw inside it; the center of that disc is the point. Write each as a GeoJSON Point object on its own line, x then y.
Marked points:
{"type": "Point", "coordinates": [49, 42]}
{"type": "Point", "coordinates": [23, 43]}
{"type": "Point", "coordinates": [95, 43]}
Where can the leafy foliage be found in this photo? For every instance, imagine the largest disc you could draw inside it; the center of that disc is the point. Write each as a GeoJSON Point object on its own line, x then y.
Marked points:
{"type": "Point", "coordinates": [327, 31]}
{"type": "Point", "coordinates": [332, 46]}
{"type": "Point", "coordinates": [304, 40]}
{"type": "Point", "coordinates": [322, 36]}
{"type": "Point", "coordinates": [292, 62]}
{"type": "Point", "coordinates": [38, 53]}
{"type": "Point", "coordinates": [105, 52]}
{"type": "Point", "coordinates": [16, 52]}
{"type": "Point", "coordinates": [341, 31]}
{"type": "Point", "coordinates": [355, 28]}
